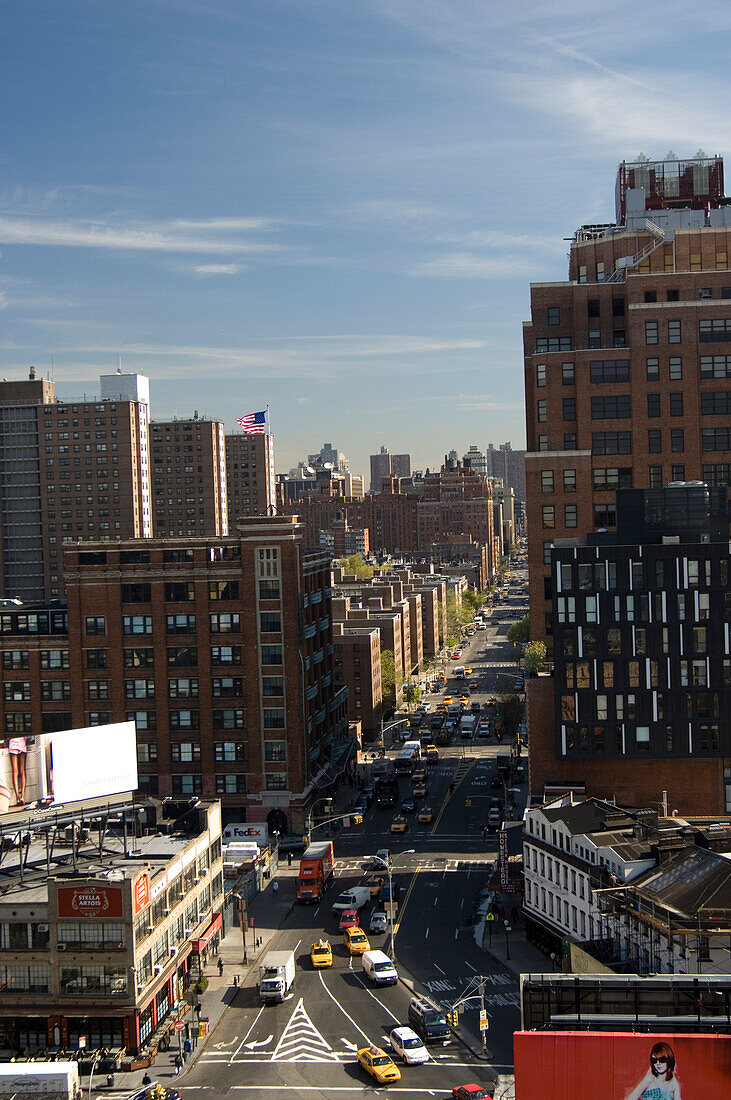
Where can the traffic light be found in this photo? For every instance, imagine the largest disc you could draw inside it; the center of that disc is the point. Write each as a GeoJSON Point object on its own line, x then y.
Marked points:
{"type": "Point", "coordinates": [357, 819]}
{"type": "Point", "coordinates": [453, 1018]}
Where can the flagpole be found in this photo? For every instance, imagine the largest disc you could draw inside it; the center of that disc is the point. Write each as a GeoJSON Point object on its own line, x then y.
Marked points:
{"type": "Point", "coordinates": [269, 427]}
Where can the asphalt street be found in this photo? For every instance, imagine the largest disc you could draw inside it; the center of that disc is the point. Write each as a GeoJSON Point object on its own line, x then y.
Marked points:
{"type": "Point", "coordinates": [308, 1044]}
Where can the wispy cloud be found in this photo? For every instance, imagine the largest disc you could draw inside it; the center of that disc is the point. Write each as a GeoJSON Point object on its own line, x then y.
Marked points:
{"type": "Point", "coordinates": [306, 357]}
{"type": "Point", "coordinates": [469, 265]}
{"type": "Point", "coordinates": [217, 269]}
{"type": "Point", "coordinates": [208, 237]}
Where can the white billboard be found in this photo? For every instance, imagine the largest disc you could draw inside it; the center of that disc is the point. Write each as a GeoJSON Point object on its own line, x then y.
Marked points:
{"type": "Point", "coordinates": [68, 766]}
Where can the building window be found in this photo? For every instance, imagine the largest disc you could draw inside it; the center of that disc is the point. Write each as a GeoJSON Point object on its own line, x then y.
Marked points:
{"type": "Point", "coordinates": [185, 752]}
{"type": "Point", "coordinates": [605, 515]}
{"type": "Point", "coordinates": [547, 547]}
{"type": "Point", "coordinates": [567, 374]}
{"type": "Point", "coordinates": [540, 374]}
{"type": "Point", "coordinates": [654, 441]}
{"type": "Point", "coordinates": [271, 655]}
{"type": "Point", "coordinates": [716, 366]}
{"type": "Point", "coordinates": [569, 481]}
{"type": "Point", "coordinates": [140, 592]}
{"type": "Point", "coordinates": [677, 472]}
{"type": "Point", "coordinates": [546, 481]}
{"type": "Point", "coordinates": [180, 624]}
{"type": "Point", "coordinates": [653, 404]}
{"type": "Point", "coordinates": [716, 439]}
{"type": "Point", "coordinates": [716, 404]}
{"type": "Point", "coordinates": [542, 412]}
{"type": "Point", "coordinates": [676, 404]}
{"type": "Point", "coordinates": [675, 368]}
{"type": "Point", "coordinates": [613, 407]}
{"type": "Point", "coordinates": [652, 368]}
{"type": "Point", "coordinates": [95, 624]}
{"type": "Point", "coordinates": [137, 624]}
{"type": "Point", "coordinates": [553, 343]}
{"type": "Point", "coordinates": [712, 331]}
{"type": "Point", "coordinates": [593, 307]}
{"type": "Point", "coordinates": [231, 783]}
{"type": "Point", "coordinates": [674, 330]}
{"type": "Point", "coordinates": [139, 689]}
{"type": "Point", "coordinates": [225, 655]}
{"type": "Point", "coordinates": [225, 622]}
{"type": "Point", "coordinates": [187, 784]}
{"type": "Point", "coordinates": [549, 516]}
{"type": "Point", "coordinates": [276, 781]}
{"type": "Point", "coordinates": [612, 477]}
{"type": "Point", "coordinates": [186, 720]}
{"type": "Point", "coordinates": [268, 590]}
{"type": "Point", "coordinates": [226, 752]}
{"type": "Point", "coordinates": [677, 439]}
{"type": "Point", "coordinates": [595, 338]}
{"type": "Point", "coordinates": [570, 514]}
{"type": "Point", "coordinates": [223, 590]}
{"type": "Point", "coordinates": [650, 296]}
{"type": "Point", "coordinates": [569, 408]}
{"type": "Point", "coordinates": [183, 687]}
{"type": "Point", "coordinates": [611, 443]}
{"type": "Point", "coordinates": [651, 334]}
{"type": "Point", "coordinates": [569, 441]}
{"type": "Point", "coordinates": [554, 315]}
{"type": "Point", "coordinates": [270, 622]}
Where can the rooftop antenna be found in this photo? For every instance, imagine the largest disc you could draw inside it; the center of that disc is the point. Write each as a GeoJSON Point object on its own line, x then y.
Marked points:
{"type": "Point", "coordinates": [52, 368]}
{"type": "Point", "coordinates": [119, 364]}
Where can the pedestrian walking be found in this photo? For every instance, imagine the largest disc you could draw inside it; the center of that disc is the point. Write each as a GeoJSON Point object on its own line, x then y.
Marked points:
{"type": "Point", "coordinates": [514, 914]}
{"type": "Point", "coordinates": [289, 859]}
{"type": "Point", "coordinates": [198, 1009]}
{"type": "Point", "coordinates": [178, 1064]}
{"type": "Point", "coordinates": [220, 967]}
{"type": "Point", "coordinates": [146, 1080]}
{"type": "Point", "coordinates": [275, 887]}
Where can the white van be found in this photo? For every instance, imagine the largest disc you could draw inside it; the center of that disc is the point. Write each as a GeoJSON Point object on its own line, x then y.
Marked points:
{"type": "Point", "coordinates": [378, 968]}
{"type": "Point", "coordinates": [355, 898]}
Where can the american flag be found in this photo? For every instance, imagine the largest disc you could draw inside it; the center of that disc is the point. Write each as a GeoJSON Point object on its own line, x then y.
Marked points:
{"type": "Point", "coordinates": [253, 423]}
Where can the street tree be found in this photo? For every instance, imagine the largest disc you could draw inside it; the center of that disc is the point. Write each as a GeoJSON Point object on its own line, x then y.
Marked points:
{"type": "Point", "coordinates": [511, 709]}
{"type": "Point", "coordinates": [534, 656]}
{"type": "Point", "coordinates": [355, 565]}
{"type": "Point", "coordinates": [519, 632]}
{"type": "Point", "coordinates": [388, 677]}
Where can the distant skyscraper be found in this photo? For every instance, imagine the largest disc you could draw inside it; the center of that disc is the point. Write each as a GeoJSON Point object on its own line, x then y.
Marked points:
{"type": "Point", "coordinates": [250, 476]}
{"type": "Point", "coordinates": [328, 453]}
{"type": "Point", "coordinates": [509, 465]}
{"type": "Point", "coordinates": [384, 464]}
{"type": "Point", "coordinates": [477, 460]}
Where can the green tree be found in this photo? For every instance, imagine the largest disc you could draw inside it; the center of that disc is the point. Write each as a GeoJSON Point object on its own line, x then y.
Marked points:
{"type": "Point", "coordinates": [355, 565]}
{"type": "Point", "coordinates": [534, 656]}
{"type": "Point", "coordinates": [519, 632]}
{"type": "Point", "coordinates": [412, 694]}
{"type": "Point", "coordinates": [454, 622]}
{"type": "Point", "coordinates": [510, 708]}
{"type": "Point", "coordinates": [388, 676]}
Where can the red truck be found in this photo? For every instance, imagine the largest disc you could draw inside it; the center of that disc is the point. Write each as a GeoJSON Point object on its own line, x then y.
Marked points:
{"type": "Point", "coordinates": [317, 867]}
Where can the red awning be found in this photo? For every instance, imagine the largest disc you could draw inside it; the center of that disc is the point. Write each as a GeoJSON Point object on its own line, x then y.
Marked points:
{"type": "Point", "coordinates": [202, 942]}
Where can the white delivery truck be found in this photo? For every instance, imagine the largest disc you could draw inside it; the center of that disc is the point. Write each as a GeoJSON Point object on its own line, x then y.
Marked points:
{"type": "Point", "coordinates": [39, 1080]}
{"type": "Point", "coordinates": [467, 725]}
{"type": "Point", "coordinates": [276, 976]}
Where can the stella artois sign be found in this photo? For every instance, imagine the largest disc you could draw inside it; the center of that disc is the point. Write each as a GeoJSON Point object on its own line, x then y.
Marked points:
{"type": "Point", "coordinates": [89, 901]}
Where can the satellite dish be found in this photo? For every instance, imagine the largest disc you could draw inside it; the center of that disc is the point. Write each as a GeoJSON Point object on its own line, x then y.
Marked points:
{"type": "Point", "coordinates": [309, 470]}
{"type": "Point", "coordinates": [328, 465]}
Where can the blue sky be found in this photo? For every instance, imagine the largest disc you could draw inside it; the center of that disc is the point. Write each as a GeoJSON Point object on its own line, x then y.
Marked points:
{"type": "Point", "coordinates": [334, 207]}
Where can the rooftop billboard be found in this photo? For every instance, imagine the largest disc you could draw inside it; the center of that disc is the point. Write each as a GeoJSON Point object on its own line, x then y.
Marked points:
{"type": "Point", "coordinates": [52, 769]}
{"type": "Point", "coordinates": [564, 1065]}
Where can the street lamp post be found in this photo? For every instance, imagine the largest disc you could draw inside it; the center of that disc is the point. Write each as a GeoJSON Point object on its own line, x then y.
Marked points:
{"type": "Point", "coordinates": [97, 1056]}
{"type": "Point", "coordinates": [310, 812]}
{"type": "Point", "coordinates": [388, 864]}
{"type": "Point", "coordinates": [508, 930]}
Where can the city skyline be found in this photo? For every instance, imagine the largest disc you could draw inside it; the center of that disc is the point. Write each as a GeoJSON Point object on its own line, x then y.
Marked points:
{"type": "Point", "coordinates": [337, 216]}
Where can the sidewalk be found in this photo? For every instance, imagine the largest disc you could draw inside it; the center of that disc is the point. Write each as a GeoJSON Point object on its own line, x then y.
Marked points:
{"type": "Point", "coordinates": [525, 958]}
{"type": "Point", "coordinates": [268, 911]}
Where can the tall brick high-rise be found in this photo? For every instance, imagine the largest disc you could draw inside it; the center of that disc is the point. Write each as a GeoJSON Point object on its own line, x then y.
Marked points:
{"type": "Point", "coordinates": [628, 362]}
{"type": "Point", "coordinates": [189, 477]}
{"type": "Point", "coordinates": [68, 471]}
{"type": "Point", "coordinates": [249, 476]}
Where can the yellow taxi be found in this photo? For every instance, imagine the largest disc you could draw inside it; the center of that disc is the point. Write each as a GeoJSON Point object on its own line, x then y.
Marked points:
{"type": "Point", "coordinates": [399, 824]}
{"type": "Point", "coordinates": [420, 789]}
{"type": "Point", "coordinates": [465, 700]}
{"type": "Point", "coordinates": [447, 700]}
{"type": "Point", "coordinates": [356, 941]}
{"type": "Point", "coordinates": [468, 672]}
{"type": "Point", "coordinates": [432, 754]}
{"type": "Point", "coordinates": [379, 1065]}
{"type": "Point", "coordinates": [425, 815]}
{"type": "Point", "coordinates": [321, 954]}
{"type": "Point", "coordinates": [375, 885]}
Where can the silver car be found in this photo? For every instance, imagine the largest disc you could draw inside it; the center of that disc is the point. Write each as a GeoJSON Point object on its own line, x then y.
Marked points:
{"type": "Point", "coordinates": [407, 1045]}
{"type": "Point", "coordinates": [378, 921]}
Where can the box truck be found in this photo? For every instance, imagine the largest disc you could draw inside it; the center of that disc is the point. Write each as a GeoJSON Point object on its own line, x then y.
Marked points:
{"type": "Point", "coordinates": [39, 1080]}
{"type": "Point", "coordinates": [316, 870]}
{"type": "Point", "coordinates": [276, 976]}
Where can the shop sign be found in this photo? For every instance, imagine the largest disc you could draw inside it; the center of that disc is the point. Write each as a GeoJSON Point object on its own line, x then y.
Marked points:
{"type": "Point", "coordinates": [89, 901]}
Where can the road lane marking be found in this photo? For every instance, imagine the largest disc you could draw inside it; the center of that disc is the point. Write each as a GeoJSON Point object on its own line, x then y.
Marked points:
{"type": "Point", "coordinates": [436, 967]}
{"type": "Point", "coordinates": [426, 934]}
{"type": "Point", "coordinates": [301, 1041]}
{"type": "Point", "coordinates": [345, 1014]}
{"type": "Point", "coordinates": [379, 1003]}
{"type": "Point", "coordinates": [470, 966]}
{"type": "Point", "coordinates": [402, 910]}
{"type": "Point", "coordinates": [248, 1033]}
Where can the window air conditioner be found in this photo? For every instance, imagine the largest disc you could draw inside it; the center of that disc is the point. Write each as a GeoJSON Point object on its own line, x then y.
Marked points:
{"type": "Point", "coordinates": [60, 946]}
{"type": "Point", "coordinates": [158, 970]}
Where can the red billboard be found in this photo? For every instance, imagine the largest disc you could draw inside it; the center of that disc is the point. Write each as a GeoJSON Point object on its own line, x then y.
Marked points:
{"type": "Point", "coordinates": [141, 893]}
{"type": "Point", "coordinates": [564, 1065]}
{"type": "Point", "coordinates": [90, 901]}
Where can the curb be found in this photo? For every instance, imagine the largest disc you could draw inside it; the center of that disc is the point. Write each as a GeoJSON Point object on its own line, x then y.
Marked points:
{"type": "Point", "coordinates": [247, 975]}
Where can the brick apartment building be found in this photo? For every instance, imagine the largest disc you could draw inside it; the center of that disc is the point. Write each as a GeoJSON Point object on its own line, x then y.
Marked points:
{"type": "Point", "coordinates": [250, 476]}
{"type": "Point", "coordinates": [220, 650]}
{"type": "Point", "coordinates": [69, 471]}
{"type": "Point", "coordinates": [628, 362]}
{"type": "Point", "coordinates": [357, 666]}
{"type": "Point", "coordinates": [188, 465]}
{"type": "Point", "coordinates": [638, 705]}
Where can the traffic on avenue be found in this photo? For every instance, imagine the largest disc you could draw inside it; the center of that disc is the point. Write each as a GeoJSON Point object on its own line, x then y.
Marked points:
{"type": "Point", "coordinates": [441, 869]}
